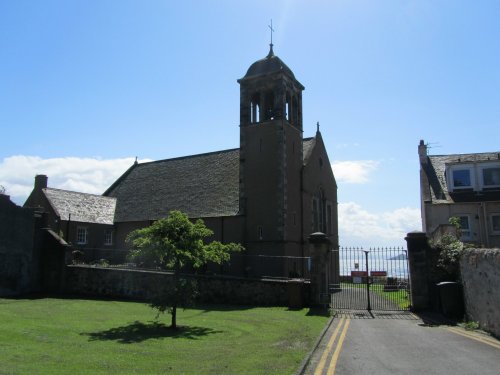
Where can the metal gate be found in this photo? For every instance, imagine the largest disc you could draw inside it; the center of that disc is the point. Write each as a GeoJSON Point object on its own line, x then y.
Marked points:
{"type": "Point", "coordinates": [375, 279]}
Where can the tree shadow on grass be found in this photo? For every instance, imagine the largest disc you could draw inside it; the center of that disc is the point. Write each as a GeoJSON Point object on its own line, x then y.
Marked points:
{"type": "Point", "coordinates": [138, 332]}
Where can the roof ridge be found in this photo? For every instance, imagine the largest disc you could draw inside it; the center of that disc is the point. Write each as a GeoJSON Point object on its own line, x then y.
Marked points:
{"type": "Point", "coordinates": [191, 156]}
{"type": "Point", "coordinates": [79, 192]}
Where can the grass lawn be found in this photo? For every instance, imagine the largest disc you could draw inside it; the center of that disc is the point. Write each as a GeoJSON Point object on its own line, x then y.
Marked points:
{"type": "Point", "coordinates": [50, 336]}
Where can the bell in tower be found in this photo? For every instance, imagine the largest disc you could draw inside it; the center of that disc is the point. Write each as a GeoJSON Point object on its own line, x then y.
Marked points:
{"type": "Point", "coordinates": [269, 91]}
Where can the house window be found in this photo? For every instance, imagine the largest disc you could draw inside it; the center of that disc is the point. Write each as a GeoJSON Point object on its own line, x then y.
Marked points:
{"type": "Point", "coordinates": [81, 235]}
{"type": "Point", "coordinates": [465, 227]}
{"type": "Point", "coordinates": [108, 237]}
{"type": "Point", "coordinates": [461, 178]}
{"type": "Point", "coordinates": [491, 177]}
{"type": "Point", "coordinates": [495, 223]}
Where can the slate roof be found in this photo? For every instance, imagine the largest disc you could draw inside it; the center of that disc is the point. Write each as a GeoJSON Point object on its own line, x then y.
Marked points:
{"type": "Point", "coordinates": [307, 147]}
{"type": "Point", "coordinates": [85, 208]}
{"type": "Point", "coordinates": [205, 185]}
{"type": "Point", "coordinates": [435, 172]}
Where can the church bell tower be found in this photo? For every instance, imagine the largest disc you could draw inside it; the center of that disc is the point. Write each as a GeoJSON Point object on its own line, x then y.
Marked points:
{"type": "Point", "coordinates": [271, 156]}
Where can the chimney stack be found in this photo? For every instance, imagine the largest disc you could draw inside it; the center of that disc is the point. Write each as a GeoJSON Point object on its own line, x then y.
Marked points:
{"type": "Point", "coordinates": [422, 152]}
{"type": "Point", "coordinates": [40, 182]}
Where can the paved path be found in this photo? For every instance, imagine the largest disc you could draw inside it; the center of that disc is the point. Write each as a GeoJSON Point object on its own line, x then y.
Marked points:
{"type": "Point", "coordinates": [356, 298]}
{"type": "Point", "coordinates": [401, 343]}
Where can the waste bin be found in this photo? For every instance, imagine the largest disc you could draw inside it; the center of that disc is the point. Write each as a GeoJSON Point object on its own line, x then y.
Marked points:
{"type": "Point", "coordinates": [451, 301]}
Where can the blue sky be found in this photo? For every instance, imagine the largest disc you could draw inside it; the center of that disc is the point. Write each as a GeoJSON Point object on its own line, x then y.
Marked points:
{"type": "Point", "coordinates": [86, 86]}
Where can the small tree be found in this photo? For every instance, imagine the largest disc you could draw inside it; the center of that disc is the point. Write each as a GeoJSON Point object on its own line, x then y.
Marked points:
{"type": "Point", "coordinates": [450, 249]}
{"type": "Point", "coordinates": [174, 243]}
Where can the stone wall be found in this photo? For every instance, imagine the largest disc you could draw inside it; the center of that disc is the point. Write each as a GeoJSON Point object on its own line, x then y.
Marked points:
{"type": "Point", "coordinates": [141, 284]}
{"type": "Point", "coordinates": [480, 270]}
{"type": "Point", "coordinates": [18, 258]}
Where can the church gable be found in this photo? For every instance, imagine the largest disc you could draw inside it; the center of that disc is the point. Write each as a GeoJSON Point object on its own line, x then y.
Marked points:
{"type": "Point", "coordinates": [203, 185]}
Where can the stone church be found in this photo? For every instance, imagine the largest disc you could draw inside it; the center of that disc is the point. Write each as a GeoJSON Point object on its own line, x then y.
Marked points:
{"type": "Point", "coordinates": [269, 194]}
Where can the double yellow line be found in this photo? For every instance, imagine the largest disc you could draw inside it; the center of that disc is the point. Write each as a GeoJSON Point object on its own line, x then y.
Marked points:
{"type": "Point", "coordinates": [333, 361]}
{"type": "Point", "coordinates": [474, 336]}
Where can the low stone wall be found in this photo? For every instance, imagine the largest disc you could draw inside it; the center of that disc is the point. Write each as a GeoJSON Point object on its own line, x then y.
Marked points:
{"type": "Point", "coordinates": [480, 270]}
{"type": "Point", "coordinates": [140, 284]}
{"type": "Point", "coordinates": [18, 258]}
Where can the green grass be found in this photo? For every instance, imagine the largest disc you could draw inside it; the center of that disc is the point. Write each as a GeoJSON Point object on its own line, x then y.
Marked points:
{"type": "Point", "coordinates": [399, 297]}
{"type": "Point", "coordinates": [60, 336]}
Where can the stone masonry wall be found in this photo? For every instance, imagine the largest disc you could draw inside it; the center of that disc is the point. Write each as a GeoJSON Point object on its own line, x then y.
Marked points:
{"type": "Point", "coordinates": [480, 270]}
{"type": "Point", "coordinates": [140, 284]}
{"type": "Point", "coordinates": [18, 262]}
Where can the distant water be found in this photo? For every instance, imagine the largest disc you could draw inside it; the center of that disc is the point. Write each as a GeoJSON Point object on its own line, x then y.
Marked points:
{"type": "Point", "coordinates": [394, 262]}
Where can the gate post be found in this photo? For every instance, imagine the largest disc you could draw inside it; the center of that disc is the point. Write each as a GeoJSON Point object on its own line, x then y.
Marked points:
{"type": "Point", "coordinates": [319, 249]}
{"type": "Point", "coordinates": [419, 271]}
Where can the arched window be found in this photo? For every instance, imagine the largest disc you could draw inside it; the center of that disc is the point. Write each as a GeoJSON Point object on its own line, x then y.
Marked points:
{"type": "Point", "coordinates": [295, 111]}
{"type": "Point", "coordinates": [255, 109]}
{"type": "Point", "coordinates": [319, 212]}
{"type": "Point", "coordinates": [269, 106]}
{"type": "Point", "coordinates": [288, 108]}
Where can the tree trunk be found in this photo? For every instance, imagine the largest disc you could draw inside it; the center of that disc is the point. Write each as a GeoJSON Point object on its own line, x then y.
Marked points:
{"type": "Point", "coordinates": [174, 317]}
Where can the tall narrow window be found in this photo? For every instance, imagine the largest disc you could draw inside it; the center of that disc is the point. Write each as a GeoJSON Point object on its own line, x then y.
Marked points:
{"type": "Point", "coordinates": [108, 237]}
{"type": "Point", "coordinates": [260, 233]}
{"type": "Point", "coordinates": [329, 219]}
{"type": "Point", "coordinates": [315, 214]}
{"type": "Point", "coordinates": [465, 227]}
{"type": "Point", "coordinates": [81, 235]}
{"type": "Point", "coordinates": [255, 109]}
{"type": "Point", "coordinates": [495, 223]}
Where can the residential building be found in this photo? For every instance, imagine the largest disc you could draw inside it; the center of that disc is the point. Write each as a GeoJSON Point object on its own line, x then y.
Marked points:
{"type": "Point", "coordinates": [466, 186]}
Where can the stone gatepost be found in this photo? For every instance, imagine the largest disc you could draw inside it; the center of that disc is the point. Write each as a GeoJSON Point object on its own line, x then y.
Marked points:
{"type": "Point", "coordinates": [319, 249]}
{"type": "Point", "coordinates": [418, 248]}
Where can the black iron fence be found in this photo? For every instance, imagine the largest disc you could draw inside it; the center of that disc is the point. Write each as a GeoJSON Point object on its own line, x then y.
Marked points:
{"type": "Point", "coordinates": [374, 279]}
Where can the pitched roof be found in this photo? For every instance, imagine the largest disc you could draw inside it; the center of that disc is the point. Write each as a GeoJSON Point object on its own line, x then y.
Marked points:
{"type": "Point", "coordinates": [307, 147]}
{"type": "Point", "coordinates": [205, 185]}
{"type": "Point", "coordinates": [435, 172]}
{"type": "Point", "coordinates": [85, 208]}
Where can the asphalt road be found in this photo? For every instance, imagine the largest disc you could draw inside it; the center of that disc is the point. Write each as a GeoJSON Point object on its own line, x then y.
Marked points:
{"type": "Point", "coordinates": [401, 343]}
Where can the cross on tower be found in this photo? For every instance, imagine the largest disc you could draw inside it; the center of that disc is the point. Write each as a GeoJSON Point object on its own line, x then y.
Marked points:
{"type": "Point", "coordinates": [272, 31]}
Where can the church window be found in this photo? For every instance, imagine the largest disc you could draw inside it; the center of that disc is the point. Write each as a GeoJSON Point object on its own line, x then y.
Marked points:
{"type": "Point", "coordinates": [288, 108]}
{"type": "Point", "coordinates": [255, 109]}
{"type": "Point", "coordinates": [329, 218]}
{"type": "Point", "coordinates": [319, 213]}
{"type": "Point", "coordinates": [315, 214]}
{"type": "Point", "coordinates": [81, 235]}
{"type": "Point", "coordinates": [295, 110]}
{"type": "Point", "coordinates": [269, 106]}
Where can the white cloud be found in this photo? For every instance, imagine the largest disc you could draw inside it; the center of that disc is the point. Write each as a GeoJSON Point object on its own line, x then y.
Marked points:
{"type": "Point", "coordinates": [354, 171]}
{"type": "Point", "coordinates": [87, 175]}
{"type": "Point", "coordinates": [359, 227]}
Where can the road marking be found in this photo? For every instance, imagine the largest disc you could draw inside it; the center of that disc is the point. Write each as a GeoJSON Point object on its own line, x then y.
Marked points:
{"type": "Point", "coordinates": [333, 362]}
{"type": "Point", "coordinates": [321, 364]}
{"type": "Point", "coordinates": [484, 340]}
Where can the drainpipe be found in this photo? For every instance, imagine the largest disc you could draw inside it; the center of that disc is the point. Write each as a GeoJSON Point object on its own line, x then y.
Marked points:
{"type": "Point", "coordinates": [486, 236]}
{"type": "Point", "coordinates": [67, 228]}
